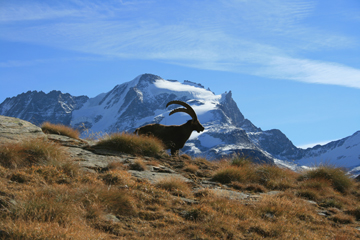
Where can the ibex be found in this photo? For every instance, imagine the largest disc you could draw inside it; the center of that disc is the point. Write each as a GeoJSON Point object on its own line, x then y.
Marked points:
{"type": "Point", "coordinates": [173, 136]}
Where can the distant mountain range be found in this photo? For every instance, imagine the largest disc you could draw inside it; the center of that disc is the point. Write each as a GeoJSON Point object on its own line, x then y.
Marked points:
{"type": "Point", "coordinates": [143, 100]}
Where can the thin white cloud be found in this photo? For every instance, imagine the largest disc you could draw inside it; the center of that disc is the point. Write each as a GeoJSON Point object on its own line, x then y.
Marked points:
{"type": "Point", "coordinates": [311, 71]}
{"type": "Point", "coordinates": [32, 11]}
{"type": "Point", "coordinates": [17, 63]}
{"type": "Point", "coordinates": [257, 38]}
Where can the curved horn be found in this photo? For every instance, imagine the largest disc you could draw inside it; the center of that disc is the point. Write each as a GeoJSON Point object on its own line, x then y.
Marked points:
{"type": "Point", "coordinates": [189, 110]}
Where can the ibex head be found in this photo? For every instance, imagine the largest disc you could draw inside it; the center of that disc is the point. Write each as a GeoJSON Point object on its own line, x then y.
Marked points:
{"type": "Point", "coordinates": [196, 125]}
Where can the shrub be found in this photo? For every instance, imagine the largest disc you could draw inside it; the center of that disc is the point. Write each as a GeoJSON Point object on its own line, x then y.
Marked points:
{"type": "Point", "coordinates": [60, 129]}
{"type": "Point", "coordinates": [203, 193]}
{"type": "Point", "coordinates": [230, 174]}
{"type": "Point", "coordinates": [132, 144]}
{"type": "Point", "coordinates": [185, 157]}
{"type": "Point", "coordinates": [284, 205]}
{"type": "Point", "coordinates": [116, 177]}
{"type": "Point", "coordinates": [175, 186]}
{"type": "Point", "coordinates": [254, 187]}
{"type": "Point", "coordinates": [48, 205]}
{"type": "Point", "coordinates": [343, 218]}
{"type": "Point", "coordinates": [230, 207]}
{"type": "Point", "coordinates": [240, 161]}
{"type": "Point", "coordinates": [274, 177]}
{"type": "Point", "coordinates": [331, 202]}
{"type": "Point", "coordinates": [199, 213]}
{"type": "Point", "coordinates": [115, 165]}
{"type": "Point", "coordinates": [20, 177]}
{"type": "Point", "coordinates": [32, 152]}
{"type": "Point", "coordinates": [338, 178]}
{"type": "Point", "coordinates": [138, 165]}
{"type": "Point", "coordinates": [308, 194]}
{"type": "Point", "coordinates": [355, 212]}
{"type": "Point", "coordinates": [191, 168]}
{"type": "Point", "coordinates": [317, 184]}
{"type": "Point", "coordinates": [118, 202]}
{"type": "Point", "coordinates": [243, 171]}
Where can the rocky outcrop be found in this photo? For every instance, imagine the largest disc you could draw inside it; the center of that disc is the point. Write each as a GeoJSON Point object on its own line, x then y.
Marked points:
{"type": "Point", "coordinates": [14, 130]}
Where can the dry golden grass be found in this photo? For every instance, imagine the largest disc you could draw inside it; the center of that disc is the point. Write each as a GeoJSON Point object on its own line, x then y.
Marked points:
{"type": "Point", "coordinates": [138, 165]}
{"type": "Point", "coordinates": [60, 129]}
{"type": "Point", "coordinates": [243, 171]}
{"type": "Point", "coordinates": [338, 178]}
{"type": "Point", "coordinates": [192, 168]}
{"type": "Point", "coordinates": [132, 144]}
{"type": "Point", "coordinates": [117, 177]}
{"type": "Point", "coordinates": [175, 186]}
{"type": "Point", "coordinates": [32, 152]}
{"type": "Point", "coordinates": [51, 198]}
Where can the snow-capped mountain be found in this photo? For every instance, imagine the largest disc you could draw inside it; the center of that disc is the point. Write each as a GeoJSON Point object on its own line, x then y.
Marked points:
{"type": "Point", "coordinates": [38, 107]}
{"type": "Point", "coordinates": [344, 153]}
{"type": "Point", "coordinates": [143, 101]}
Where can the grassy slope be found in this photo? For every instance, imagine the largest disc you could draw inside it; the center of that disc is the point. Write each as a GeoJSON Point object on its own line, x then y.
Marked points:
{"type": "Point", "coordinates": [43, 194]}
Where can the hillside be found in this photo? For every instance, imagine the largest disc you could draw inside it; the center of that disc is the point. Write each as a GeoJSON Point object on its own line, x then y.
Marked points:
{"type": "Point", "coordinates": [54, 186]}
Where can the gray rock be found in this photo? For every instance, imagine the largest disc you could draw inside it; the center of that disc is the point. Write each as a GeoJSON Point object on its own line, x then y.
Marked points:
{"type": "Point", "coordinates": [14, 130]}
{"type": "Point", "coordinates": [111, 217]}
{"type": "Point", "coordinates": [162, 169]}
{"type": "Point", "coordinates": [272, 193]}
{"type": "Point", "coordinates": [154, 177]}
{"type": "Point", "coordinates": [230, 194]}
{"type": "Point", "coordinates": [67, 141]}
{"type": "Point", "coordinates": [188, 201]}
{"type": "Point", "coordinates": [91, 161]}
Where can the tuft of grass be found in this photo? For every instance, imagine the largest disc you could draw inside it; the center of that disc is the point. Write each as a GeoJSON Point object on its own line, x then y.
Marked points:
{"type": "Point", "coordinates": [273, 177]}
{"type": "Point", "coordinates": [115, 165]}
{"type": "Point", "coordinates": [310, 194]}
{"type": "Point", "coordinates": [331, 203]}
{"type": "Point", "coordinates": [32, 152]}
{"type": "Point", "coordinates": [270, 176]}
{"type": "Point", "coordinates": [240, 161]}
{"type": "Point", "coordinates": [185, 157]}
{"type": "Point", "coordinates": [230, 174]}
{"type": "Point", "coordinates": [118, 202]}
{"type": "Point", "coordinates": [175, 186]}
{"type": "Point", "coordinates": [203, 193]}
{"type": "Point", "coordinates": [338, 178]}
{"type": "Point", "coordinates": [60, 129]}
{"type": "Point", "coordinates": [199, 213]}
{"type": "Point", "coordinates": [116, 177]}
{"type": "Point", "coordinates": [255, 187]}
{"type": "Point", "coordinates": [355, 212]}
{"type": "Point", "coordinates": [138, 165]}
{"type": "Point", "coordinates": [132, 144]}
{"type": "Point", "coordinates": [343, 218]}
{"type": "Point", "coordinates": [252, 187]}
{"type": "Point", "coordinates": [51, 204]}
{"type": "Point", "coordinates": [192, 168]}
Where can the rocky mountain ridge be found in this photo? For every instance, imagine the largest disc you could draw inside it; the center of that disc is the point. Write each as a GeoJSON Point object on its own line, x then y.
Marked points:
{"type": "Point", "coordinates": [142, 101]}
{"type": "Point", "coordinates": [38, 107]}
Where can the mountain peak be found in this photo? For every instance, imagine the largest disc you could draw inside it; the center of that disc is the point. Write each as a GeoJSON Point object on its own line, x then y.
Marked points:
{"type": "Point", "coordinates": [148, 78]}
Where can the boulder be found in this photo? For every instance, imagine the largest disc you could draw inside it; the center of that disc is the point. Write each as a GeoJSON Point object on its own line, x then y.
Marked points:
{"type": "Point", "coordinates": [14, 130]}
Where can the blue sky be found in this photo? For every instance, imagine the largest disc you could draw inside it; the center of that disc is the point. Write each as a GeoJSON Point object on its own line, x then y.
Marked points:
{"type": "Point", "coordinates": [292, 65]}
